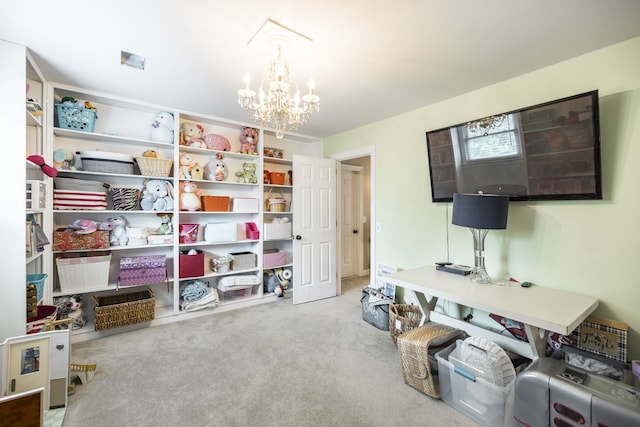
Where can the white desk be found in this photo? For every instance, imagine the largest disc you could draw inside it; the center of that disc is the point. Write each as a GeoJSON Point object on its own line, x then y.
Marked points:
{"type": "Point", "coordinates": [539, 309]}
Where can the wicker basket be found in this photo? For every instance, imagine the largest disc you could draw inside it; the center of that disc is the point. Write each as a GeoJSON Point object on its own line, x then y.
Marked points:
{"type": "Point", "coordinates": [150, 166]}
{"type": "Point", "coordinates": [402, 318]}
{"type": "Point", "coordinates": [115, 311]}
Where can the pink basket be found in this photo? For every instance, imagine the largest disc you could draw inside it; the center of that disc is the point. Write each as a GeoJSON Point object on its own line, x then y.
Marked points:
{"type": "Point", "coordinates": [189, 233]}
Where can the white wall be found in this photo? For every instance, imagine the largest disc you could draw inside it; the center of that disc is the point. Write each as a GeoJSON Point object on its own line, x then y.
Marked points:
{"type": "Point", "coordinates": [12, 177]}
{"type": "Point", "coordinates": [588, 247]}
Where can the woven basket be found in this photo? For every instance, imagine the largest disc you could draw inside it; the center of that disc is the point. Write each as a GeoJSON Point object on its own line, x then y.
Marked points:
{"type": "Point", "coordinates": [402, 318]}
{"type": "Point", "coordinates": [115, 311]}
{"type": "Point", "coordinates": [150, 166]}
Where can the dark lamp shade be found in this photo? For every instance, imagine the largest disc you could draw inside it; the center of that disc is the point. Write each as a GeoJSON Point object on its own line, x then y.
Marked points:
{"type": "Point", "coordinates": [481, 211]}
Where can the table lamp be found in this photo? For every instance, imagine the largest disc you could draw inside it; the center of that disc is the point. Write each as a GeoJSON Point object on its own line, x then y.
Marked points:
{"type": "Point", "coordinates": [481, 213]}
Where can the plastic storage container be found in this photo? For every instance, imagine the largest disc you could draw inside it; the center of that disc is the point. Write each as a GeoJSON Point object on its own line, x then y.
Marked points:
{"type": "Point", "coordinates": [462, 387]}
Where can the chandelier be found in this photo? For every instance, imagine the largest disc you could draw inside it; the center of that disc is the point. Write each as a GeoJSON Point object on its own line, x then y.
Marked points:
{"type": "Point", "coordinates": [487, 124]}
{"type": "Point", "coordinates": [278, 104]}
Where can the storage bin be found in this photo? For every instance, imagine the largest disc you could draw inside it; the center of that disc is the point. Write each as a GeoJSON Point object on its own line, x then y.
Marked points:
{"type": "Point", "coordinates": [417, 348]}
{"type": "Point", "coordinates": [273, 258]}
{"type": "Point", "coordinates": [79, 200]}
{"type": "Point", "coordinates": [154, 167]}
{"type": "Point", "coordinates": [402, 318]}
{"type": "Point", "coordinates": [44, 315]}
{"type": "Point", "coordinates": [75, 118]}
{"type": "Point", "coordinates": [125, 199]}
{"type": "Point", "coordinates": [188, 233]}
{"type": "Point", "coordinates": [236, 293]}
{"type": "Point", "coordinates": [106, 162]}
{"type": "Point", "coordinates": [36, 194]}
{"type": "Point", "coordinates": [243, 260]}
{"type": "Point", "coordinates": [75, 184]}
{"type": "Point", "coordinates": [244, 204]}
{"type": "Point", "coordinates": [252, 232]}
{"type": "Point", "coordinates": [142, 270]}
{"type": "Point", "coordinates": [83, 274]}
{"type": "Point", "coordinates": [220, 264]}
{"type": "Point", "coordinates": [277, 178]}
{"type": "Point", "coordinates": [37, 280]}
{"type": "Point", "coordinates": [221, 232]}
{"type": "Point", "coordinates": [123, 309]}
{"type": "Point", "coordinates": [215, 203]}
{"type": "Point", "coordinates": [375, 308]}
{"type": "Point", "coordinates": [71, 241]}
{"type": "Point", "coordinates": [277, 230]}
{"type": "Point", "coordinates": [474, 396]}
{"type": "Point", "coordinates": [191, 265]}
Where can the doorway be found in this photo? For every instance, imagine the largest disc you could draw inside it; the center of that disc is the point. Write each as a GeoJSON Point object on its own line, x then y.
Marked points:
{"type": "Point", "coordinates": [362, 162]}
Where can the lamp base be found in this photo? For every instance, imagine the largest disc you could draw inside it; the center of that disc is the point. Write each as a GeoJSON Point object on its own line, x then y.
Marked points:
{"type": "Point", "coordinates": [479, 275]}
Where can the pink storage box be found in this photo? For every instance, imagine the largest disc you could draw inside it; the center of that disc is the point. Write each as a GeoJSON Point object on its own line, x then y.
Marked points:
{"type": "Point", "coordinates": [191, 265]}
{"type": "Point", "coordinates": [276, 258]}
{"type": "Point", "coordinates": [142, 270]}
{"type": "Point", "coordinates": [252, 231]}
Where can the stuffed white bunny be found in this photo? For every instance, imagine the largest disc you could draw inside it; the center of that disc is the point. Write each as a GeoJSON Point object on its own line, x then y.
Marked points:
{"type": "Point", "coordinates": [162, 128]}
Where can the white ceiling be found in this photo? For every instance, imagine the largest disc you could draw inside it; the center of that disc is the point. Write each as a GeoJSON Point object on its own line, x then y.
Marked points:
{"type": "Point", "coordinates": [370, 59]}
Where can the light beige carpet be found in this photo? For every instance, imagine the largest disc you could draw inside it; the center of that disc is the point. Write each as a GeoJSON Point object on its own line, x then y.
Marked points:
{"type": "Point", "coordinates": [275, 364]}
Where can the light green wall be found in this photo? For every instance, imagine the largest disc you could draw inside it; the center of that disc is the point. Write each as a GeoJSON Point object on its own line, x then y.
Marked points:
{"type": "Point", "coordinates": [589, 247]}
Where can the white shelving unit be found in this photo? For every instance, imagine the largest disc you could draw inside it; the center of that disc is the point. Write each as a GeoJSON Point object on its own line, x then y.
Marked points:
{"type": "Point", "coordinates": [123, 127]}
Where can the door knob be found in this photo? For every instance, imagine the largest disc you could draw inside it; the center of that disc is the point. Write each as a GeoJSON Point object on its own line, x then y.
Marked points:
{"type": "Point", "coordinates": [298, 237]}
{"type": "Point", "coordinates": [355, 231]}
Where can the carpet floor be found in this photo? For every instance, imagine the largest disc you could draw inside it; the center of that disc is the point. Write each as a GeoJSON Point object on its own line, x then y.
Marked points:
{"type": "Point", "coordinates": [273, 364]}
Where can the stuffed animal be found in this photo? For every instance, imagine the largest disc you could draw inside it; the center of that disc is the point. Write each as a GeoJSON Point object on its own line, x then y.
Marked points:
{"type": "Point", "coordinates": [71, 307]}
{"type": "Point", "coordinates": [86, 226]}
{"type": "Point", "coordinates": [248, 173]}
{"type": "Point", "coordinates": [118, 234]}
{"type": "Point", "coordinates": [152, 154]}
{"type": "Point", "coordinates": [157, 195]}
{"type": "Point", "coordinates": [189, 197]}
{"type": "Point", "coordinates": [186, 162]}
{"type": "Point", "coordinates": [216, 169]}
{"type": "Point", "coordinates": [192, 135]}
{"type": "Point", "coordinates": [162, 128]}
{"type": "Point", "coordinates": [217, 142]}
{"type": "Point", "coordinates": [196, 171]}
{"type": "Point", "coordinates": [64, 159]}
{"type": "Point", "coordinates": [249, 140]}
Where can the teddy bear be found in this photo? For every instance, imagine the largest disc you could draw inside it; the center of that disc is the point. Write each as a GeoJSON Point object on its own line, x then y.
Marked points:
{"type": "Point", "coordinates": [157, 195]}
{"type": "Point", "coordinates": [248, 173]}
{"type": "Point", "coordinates": [216, 169]}
{"type": "Point", "coordinates": [189, 197]}
{"type": "Point", "coordinates": [118, 234]}
{"type": "Point", "coordinates": [217, 142]}
{"type": "Point", "coordinates": [162, 128]}
{"type": "Point", "coordinates": [249, 140]}
{"type": "Point", "coordinates": [186, 162]}
{"type": "Point", "coordinates": [191, 135]}
{"type": "Point", "coordinates": [70, 307]}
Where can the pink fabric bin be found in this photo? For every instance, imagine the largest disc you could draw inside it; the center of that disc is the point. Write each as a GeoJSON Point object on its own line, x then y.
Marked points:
{"type": "Point", "coordinates": [274, 259]}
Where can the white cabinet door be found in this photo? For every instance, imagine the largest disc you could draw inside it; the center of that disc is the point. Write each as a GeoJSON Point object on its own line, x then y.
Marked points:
{"type": "Point", "coordinates": [314, 229]}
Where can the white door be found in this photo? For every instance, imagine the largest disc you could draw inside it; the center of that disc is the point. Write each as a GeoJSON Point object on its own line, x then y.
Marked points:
{"type": "Point", "coordinates": [28, 364]}
{"type": "Point", "coordinates": [350, 217]}
{"type": "Point", "coordinates": [314, 229]}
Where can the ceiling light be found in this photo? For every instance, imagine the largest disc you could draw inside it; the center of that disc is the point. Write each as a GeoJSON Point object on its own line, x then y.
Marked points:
{"type": "Point", "coordinates": [279, 104]}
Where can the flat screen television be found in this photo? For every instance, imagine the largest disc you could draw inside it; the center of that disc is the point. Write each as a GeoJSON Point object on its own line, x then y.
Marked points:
{"type": "Point", "coordinates": [549, 151]}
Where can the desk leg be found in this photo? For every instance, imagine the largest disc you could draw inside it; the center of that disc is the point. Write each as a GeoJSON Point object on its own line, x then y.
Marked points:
{"type": "Point", "coordinates": [426, 306]}
{"type": "Point", "coordinates": [537, 343]}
